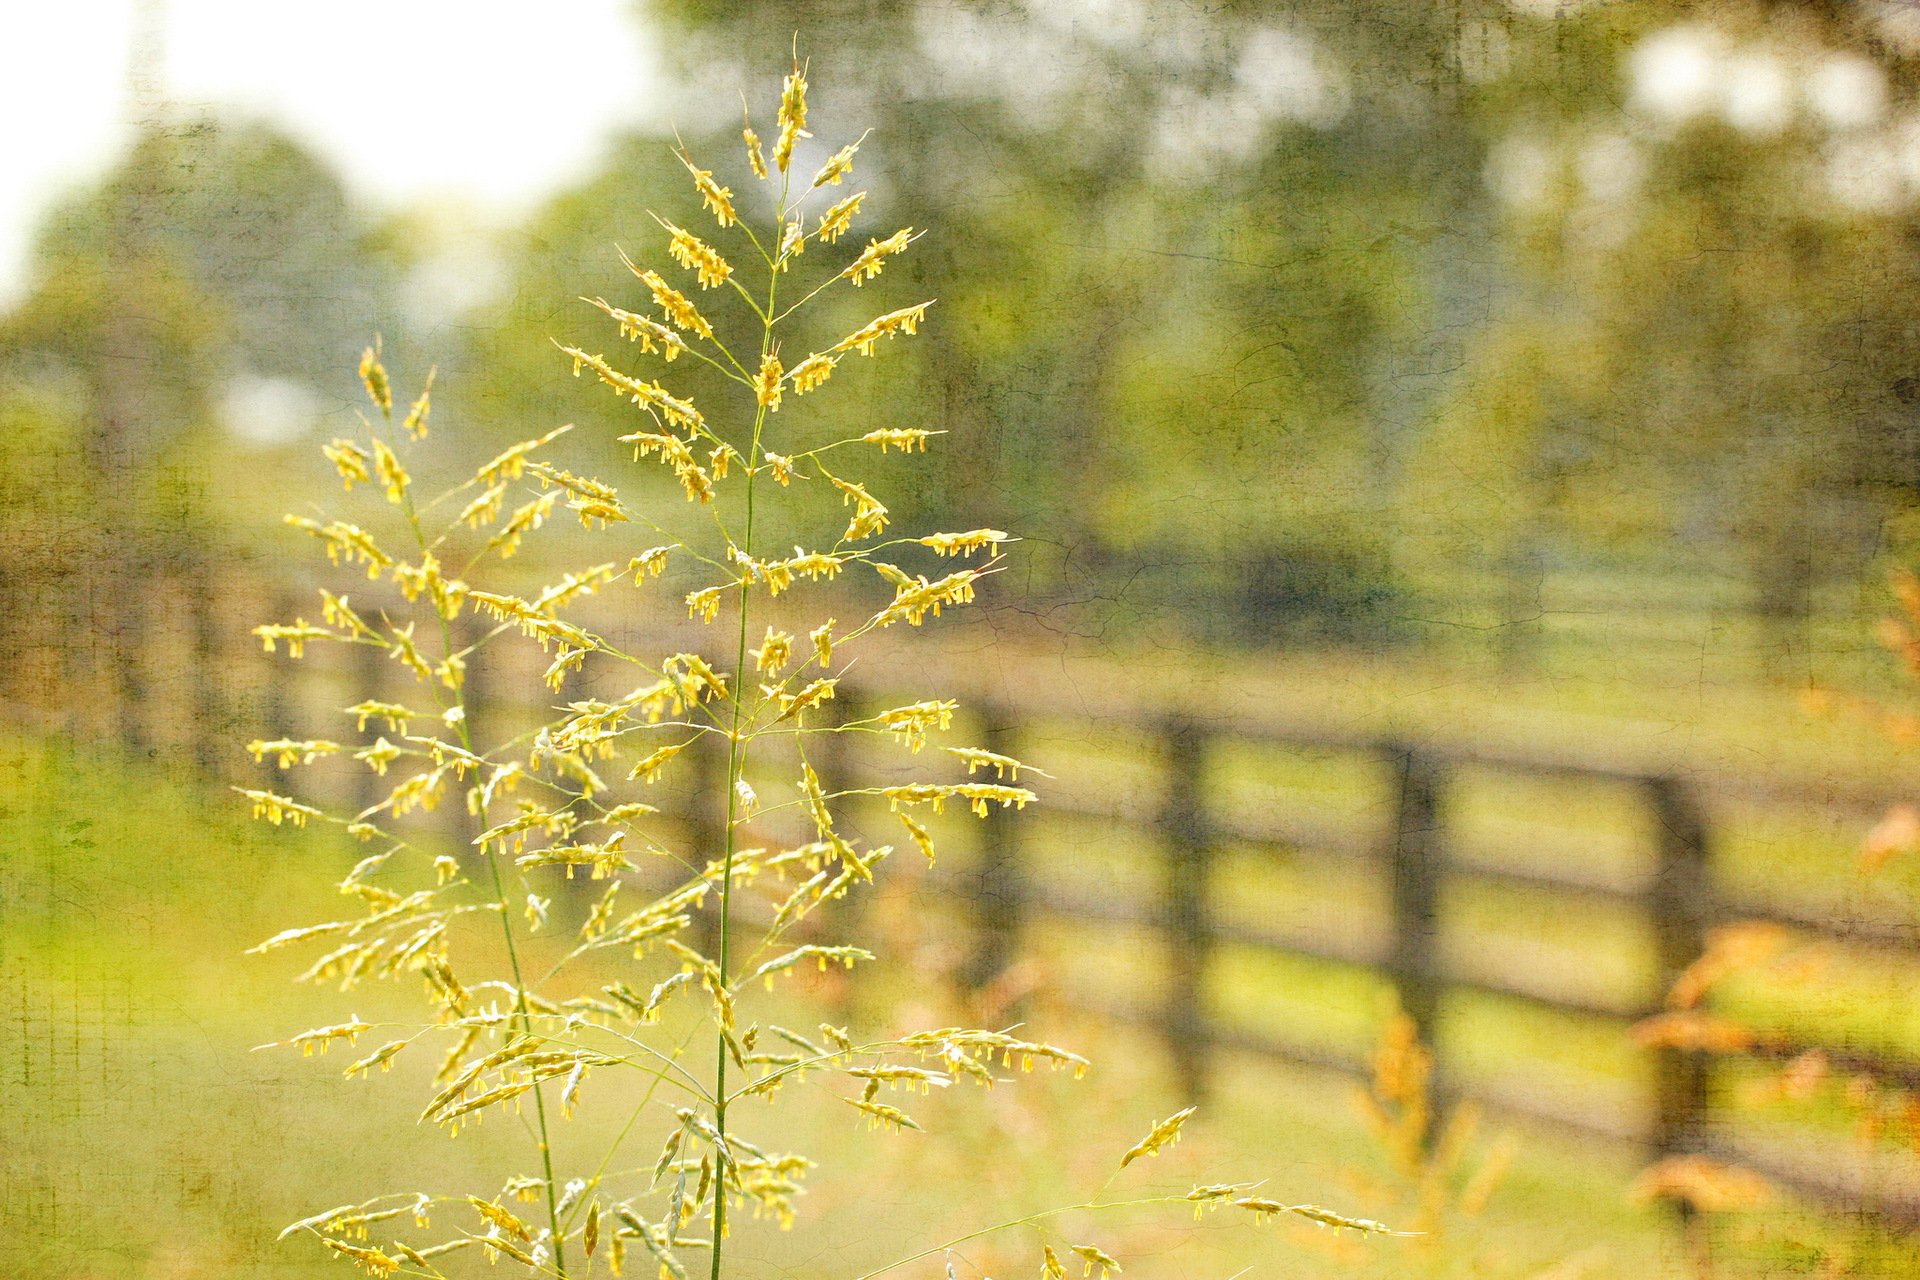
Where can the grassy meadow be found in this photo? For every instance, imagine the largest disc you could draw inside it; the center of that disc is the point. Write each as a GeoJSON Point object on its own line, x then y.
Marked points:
{"type": "Point", "coordinates": [146, 1139]}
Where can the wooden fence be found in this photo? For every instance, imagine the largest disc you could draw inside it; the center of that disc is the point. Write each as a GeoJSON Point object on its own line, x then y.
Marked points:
{"type": "Point", "coordinates": [1680, 900]}
{"type": "Point", "coordinates": [177, 676]}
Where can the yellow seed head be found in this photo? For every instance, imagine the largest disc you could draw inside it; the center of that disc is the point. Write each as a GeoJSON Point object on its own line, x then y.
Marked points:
{"type": "Point", "coordinates": [676, 305]}
{"type": "Point", "coordinates": [716, 197]}
{"type": "Point", "coordinates": [1095, 1256]}
{"type": "Point", "coordinates": [960, 544]}
{"type": "Point", "coordinates": [873, 257]}
{"type": "Point", "coordinates": [415, 424]}
{"type": "Point", "coordinates": [349, 459]}
{"type": "Point", "coordinates": [650, 334]}
{"type": "Point", "coordinates": [373, 376]}
{"type": "Point", "coordinates": [696, 255]}
{"type": "Point", "coordinates": [905, 320]}
{"type": "Point", "coordinates": [755, 160]}
{"type": "Point", "coordinates": [392, 475]}
{"type": "Point", "coordinates": [774, 652]}
{"type": "Point", "coordinates": [704, 604]}
{"type": "Point", "coordinates": [811, 372]}
{"type": "Point", "coordinates": [792, 117]}
{"type": "Point", "coordinates": [766, 386]}
{"type": "Point", "coordinates": [838, 166]}
{"type": "Point", "coordinates": [1164, 1134]}
{"type": "Point", "coordinates": [836, 220]}
{"type": "Point", "coordinates": [905, 439]}
{"type": "Point", "coordinates": [793, 240]}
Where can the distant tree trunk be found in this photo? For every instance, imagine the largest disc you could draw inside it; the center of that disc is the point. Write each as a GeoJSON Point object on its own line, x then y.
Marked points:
{"type": "Point", "coordinates": [1781, 577]}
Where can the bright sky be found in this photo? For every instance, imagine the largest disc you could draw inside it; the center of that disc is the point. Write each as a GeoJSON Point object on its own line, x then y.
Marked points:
{"type": "Point", "coordinates": [494, 101]}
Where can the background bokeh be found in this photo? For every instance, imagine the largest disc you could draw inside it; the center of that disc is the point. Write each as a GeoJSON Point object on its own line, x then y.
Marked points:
{"type": "Point", "coordinates": [1532, 383]}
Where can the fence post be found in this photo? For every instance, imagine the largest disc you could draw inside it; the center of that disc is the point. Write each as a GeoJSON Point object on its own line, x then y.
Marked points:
{"type": "Point", "coordinates": [1680, 903]}
{"type": "Point", "coordinates": [129, 628]}
{"type": "Point", "coordinates": [1415, 857]}
{"type": "Point", "coordinates": [706, 807]}
{"type": "Point", "coordinates": [209, 719]}
{"type": "Point", "coordinates": [1189, 863]}
{"type": "Point", "coordinates": [369, 681]}
{"type": "Point", "coordinates": [475, 695]}
{"type": "Point", "coordinates": [832, 759]}
{"type": "Point", "coordinates": [275, 713]}
{"type": "Point", "coordinates": [476, 682]}
{"type": "Point", "coordinates": [842, 919]}
{"type": "Point", "coordinates": [999, 879]}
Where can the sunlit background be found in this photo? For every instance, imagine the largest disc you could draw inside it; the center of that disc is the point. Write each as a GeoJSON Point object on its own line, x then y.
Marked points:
{"type": "Point", "coordinates": [1464, 455]}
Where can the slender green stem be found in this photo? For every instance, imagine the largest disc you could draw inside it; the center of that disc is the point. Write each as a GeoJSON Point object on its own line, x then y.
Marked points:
{"type": "Point", "coordinates": [736, 761]}
{"type": "Point", "coordinates": [524, 1014]}
{"type": "Point", "coordinates": [599, 1174]}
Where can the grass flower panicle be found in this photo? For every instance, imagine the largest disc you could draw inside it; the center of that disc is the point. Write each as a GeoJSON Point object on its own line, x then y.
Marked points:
{"type": "Point", "coordinates": [564, 801]}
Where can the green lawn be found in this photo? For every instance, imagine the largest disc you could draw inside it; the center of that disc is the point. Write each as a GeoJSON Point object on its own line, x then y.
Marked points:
{"type": "Point", "coordinates": [144, 1139]}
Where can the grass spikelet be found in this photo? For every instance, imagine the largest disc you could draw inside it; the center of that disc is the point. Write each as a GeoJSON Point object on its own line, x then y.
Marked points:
{"type": "Point", "coordinates": [650, 334]}
{"type": "Point", "coordinates": [906, 440]}
{"type": "Point", "coordinates": [1002, 766]}
{"type": "Point", "coordinates": [872, 258]}
{"type": "Point", "coordinates": [704, 604]}
{"type": "Point", "coordinates": [696, 255]}
{"type": "Point", "coordinates": [869, 513]}
{"type": "Point", "coordinates": [766, 383]}
{"type": "Point", "coordinates": [511, 463]}
{"type": "Point", "coordinates": [835, 222]}
{"type": "Point", "coordinates": [1095, 1256]}
{"type": "Point", "coordinates": [349, 459]}
{"type": "Point", "coordinates": [648, 395]}
{"type": "Point", "coordinates": [756, 159]}
{"type": "Point", "coordinates": [837, 167]}
{"type": "Point", "coordinates": [1163, 1135]}
{"type": "Point", "coordinates": [906, 320]}
{"type": "Point", "coordinates": [336, 611]}
{"type": "Point", "coordinates": [1266, 1209]}
{"type": "Point", "coordinates": [381, 1058]}
{"type": "Point", "coordinates": [322, 1038]}
{"type": "Point", "coordinates": [792, 117]}
{"type": "Point", "coordinates": [881, 1116]}
{"type": "Point", "coordinates": [648, 769]}
{"type": "Point", "coordinates": [415, 423]}
{"type": "Point", "coordinates": [345, 544]}
{"type": "Point", "coordinates": [371, 1261]}
{"type": "Point", "coordinates": [775, 651]}
{"type": "Point", "coordinates": [911, 724]}
{"type": "Point", "coordinates": [287, 752]}
{"type": "Point", "coordinates": [717, 198]}
{"type": "Point", "coordinates": [810, 373]}
{"type": "Point", "coordinates": [277, 809]}
{"type": "Point", "coordinates": [961, 544]}
{"type": "Point", "coordinates": [676, 306]}
{"type": "Point", "coordinates": [373, 376]}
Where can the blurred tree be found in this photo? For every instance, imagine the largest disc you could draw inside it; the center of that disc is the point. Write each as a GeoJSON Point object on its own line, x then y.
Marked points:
{"type": "Point", "coordinates": [209, 278]}
{"type": "Point", "coordinates": [1710, 264]}
{"type": "Point", "coordinates": [1272, 317]}
{"type": "Point", "coordinates": [254, 220]}
{"type": "Point", "coordinates": [1185, 260]}
{"type": "Point", "coordinates": [199, 286]}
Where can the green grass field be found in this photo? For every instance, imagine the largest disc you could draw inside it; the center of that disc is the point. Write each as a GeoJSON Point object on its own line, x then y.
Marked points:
{"type": "Point", "coordinates": [144, 1139]}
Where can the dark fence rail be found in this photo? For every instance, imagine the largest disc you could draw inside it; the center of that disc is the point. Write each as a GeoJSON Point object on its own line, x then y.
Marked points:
{"type": "Point", "coordinates": [170, 671]}
{"type": "Point", "coordinates": [1680, 901]}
